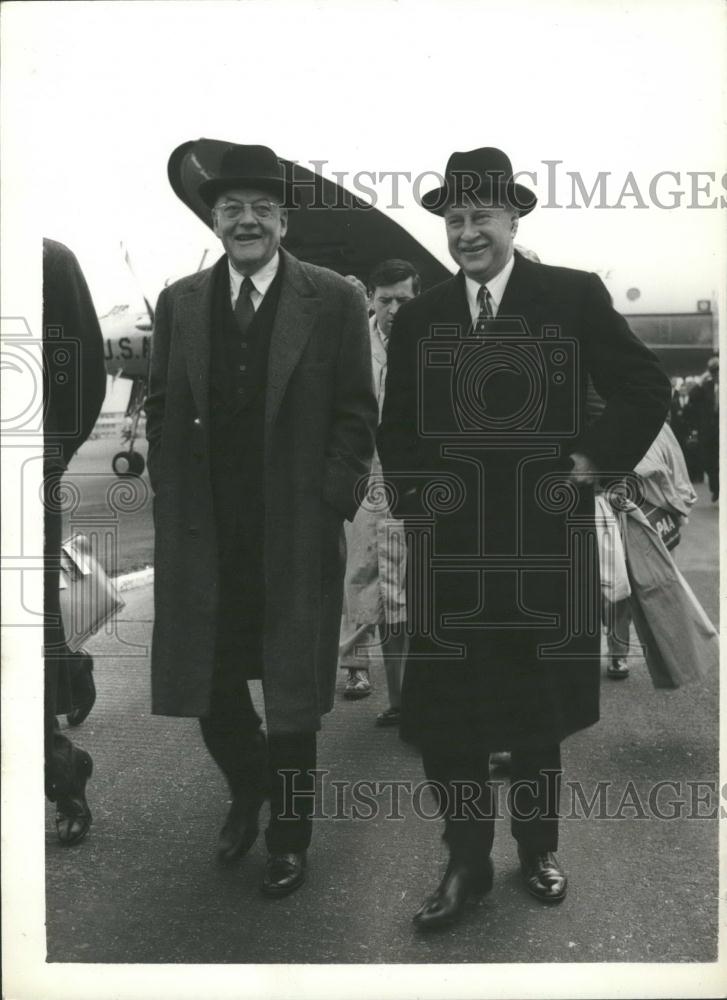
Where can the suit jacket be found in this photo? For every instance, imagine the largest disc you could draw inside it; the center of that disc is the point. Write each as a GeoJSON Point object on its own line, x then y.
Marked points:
{"type": "Point", "coordinates": [475, 438]}
{"type": "Point", "coordinates": [319, 426]}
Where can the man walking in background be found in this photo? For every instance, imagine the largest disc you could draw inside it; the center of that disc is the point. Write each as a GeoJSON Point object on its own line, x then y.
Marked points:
{"type": "Point", "coordinates": [376, 563]}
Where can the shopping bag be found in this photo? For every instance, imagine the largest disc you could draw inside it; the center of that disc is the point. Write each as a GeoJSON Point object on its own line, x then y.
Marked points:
{"type": "Point", "coordinates": [87, 597]}
{"type": "Point", "coordinates": [614, 578]}
{"type": "Point", "coordinates": [680, 643]}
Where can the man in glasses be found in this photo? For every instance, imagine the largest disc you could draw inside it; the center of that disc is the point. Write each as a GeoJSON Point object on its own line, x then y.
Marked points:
{"type": "Point", "coordinates": [261, 419]}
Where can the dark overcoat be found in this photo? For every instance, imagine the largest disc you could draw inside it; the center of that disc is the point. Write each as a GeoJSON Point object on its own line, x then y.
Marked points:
{"type": "Point", "coordinates": [319, 427]}
{"type": "Point", "coordinates": [475, 437]}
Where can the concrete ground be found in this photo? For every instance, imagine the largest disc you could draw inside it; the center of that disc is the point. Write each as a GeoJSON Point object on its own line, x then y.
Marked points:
{"type": "Point", "coordinates": [144, 887]}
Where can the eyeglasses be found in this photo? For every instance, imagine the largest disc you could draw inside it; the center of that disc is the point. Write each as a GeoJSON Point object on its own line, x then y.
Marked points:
{"type": "Point", "coordinates": [231, 211]}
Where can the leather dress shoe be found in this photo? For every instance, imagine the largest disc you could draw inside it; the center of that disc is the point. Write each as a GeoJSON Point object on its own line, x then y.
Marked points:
{"type": "Point", "coordinates": [544, 877]}
{"type": "Point", "coordinates": [284, 873]}
{"type": "Point", "coordinates": [73, 816]}
{"type": "Point", "coordinates": [240, 830]}
{"type": "Point", "coordinates": [445, 905]}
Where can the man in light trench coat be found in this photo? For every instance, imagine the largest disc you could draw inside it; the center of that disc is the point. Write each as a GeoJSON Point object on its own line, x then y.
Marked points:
{"type": "Point", "coordinates": [261, 419]}
{"type": "Point", "coordinates": [484, 438]}
{"type": "Point", "coordinates": [374, 587]}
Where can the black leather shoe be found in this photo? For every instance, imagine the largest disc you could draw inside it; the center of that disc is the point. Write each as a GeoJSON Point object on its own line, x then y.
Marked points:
{"type": "Point", "coordinates": [446, 903]}
{"type": "Point", "coordinates": [73, 817]}
{"type": "Point", "coordinates": [240, 830]}
{"type": "Point", "coordinates": [544, 877]}
{"type": "Point", "coordinates": [284, 873]}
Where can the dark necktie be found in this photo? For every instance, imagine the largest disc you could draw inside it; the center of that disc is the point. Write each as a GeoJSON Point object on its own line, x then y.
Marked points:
{"type": "Point", "coordinates": [485, 303]}
{"type": "Point", "coordinates": [244, 309]}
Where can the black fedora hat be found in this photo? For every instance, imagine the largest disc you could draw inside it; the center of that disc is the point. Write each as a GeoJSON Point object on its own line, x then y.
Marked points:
{"type": "Point", "coordinates": [485, 174]}
{"type": "Point", "coordinates": [245, 166]}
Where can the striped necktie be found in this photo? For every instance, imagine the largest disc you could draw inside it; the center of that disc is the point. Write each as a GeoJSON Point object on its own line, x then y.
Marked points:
{"type": "Point", "coordinates": [244, 309]}
{"type": "Point", "coordinates": [484, 300]}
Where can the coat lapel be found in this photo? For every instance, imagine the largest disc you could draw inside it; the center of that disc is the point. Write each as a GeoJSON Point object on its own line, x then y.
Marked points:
{"type": "Point", "coordinates": [296, 314]}
{"type": "Point", "coordinates": [524, 295]}
{"type": "Point", "coordinates": [195, 324]}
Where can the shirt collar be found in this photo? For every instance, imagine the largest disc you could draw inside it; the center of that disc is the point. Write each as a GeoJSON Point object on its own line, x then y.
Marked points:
{"type": "Point", "coordinates": [495, 286]}
{"type": "Point", "coordinates": [261, 279]}
{"type": "Point", "coordinates": [377, 332]}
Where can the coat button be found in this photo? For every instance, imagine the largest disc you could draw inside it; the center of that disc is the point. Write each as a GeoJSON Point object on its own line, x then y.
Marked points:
{"type": "Point", "coordinates": [197, 422]}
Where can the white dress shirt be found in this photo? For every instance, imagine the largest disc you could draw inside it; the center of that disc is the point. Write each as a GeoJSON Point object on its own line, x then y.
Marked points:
{"type": "Point", "coordinates": [261, 280]}
{"type": "Point", "coordinates": [495, 286]}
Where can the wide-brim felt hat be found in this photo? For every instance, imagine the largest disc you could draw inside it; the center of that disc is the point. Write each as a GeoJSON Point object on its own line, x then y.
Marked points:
{"type": "Point", "coordinates": [483, 174]}
{"type": "Point", "coordinates": [246, 166]}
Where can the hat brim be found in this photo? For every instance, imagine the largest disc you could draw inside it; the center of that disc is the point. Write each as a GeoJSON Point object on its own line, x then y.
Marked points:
{"type": "Point", "coordinates": [511, 195]}
{"type": "Point", "coordinates": [209, 191]}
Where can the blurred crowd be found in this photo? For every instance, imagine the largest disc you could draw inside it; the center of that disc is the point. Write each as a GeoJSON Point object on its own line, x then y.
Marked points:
{"type": "Point", "coordinates": [694, 418]}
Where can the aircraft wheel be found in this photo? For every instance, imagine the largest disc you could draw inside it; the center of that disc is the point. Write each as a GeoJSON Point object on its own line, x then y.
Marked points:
{"type": "Point", "coordinates": [128, 463]}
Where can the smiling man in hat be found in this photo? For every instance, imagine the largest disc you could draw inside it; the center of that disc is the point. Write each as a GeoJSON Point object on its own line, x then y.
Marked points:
{"type": "Point", "coordinates": [484, 443]}
{"type": "Point", "coordinates": [261, 419]}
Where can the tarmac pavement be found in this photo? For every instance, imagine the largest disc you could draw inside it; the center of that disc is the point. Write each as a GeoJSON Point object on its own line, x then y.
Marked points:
{"type": "Point", "coordinates": [145, 888]}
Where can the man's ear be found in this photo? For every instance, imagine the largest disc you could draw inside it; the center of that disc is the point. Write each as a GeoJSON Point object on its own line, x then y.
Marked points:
{"type": "Point", "coordinates": [283, 221]}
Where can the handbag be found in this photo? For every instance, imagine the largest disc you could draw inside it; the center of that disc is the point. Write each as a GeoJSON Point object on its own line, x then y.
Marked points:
{"type": "Point", "coordinates": [612, 561]}
{"type": "Point", "coordinates": [680, 643]}
{"type": "Point", "coordinates": [666, 522]}
{"type": "Point", "coordinates": [87, 597]}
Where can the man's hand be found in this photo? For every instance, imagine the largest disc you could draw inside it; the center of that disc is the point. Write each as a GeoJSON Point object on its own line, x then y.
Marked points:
{"type": "Point", "coordinates": [584, 471]}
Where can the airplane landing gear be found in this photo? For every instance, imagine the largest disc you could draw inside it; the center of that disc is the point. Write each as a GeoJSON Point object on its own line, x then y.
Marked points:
{"type": "Point", "coordinates": [128, 463]}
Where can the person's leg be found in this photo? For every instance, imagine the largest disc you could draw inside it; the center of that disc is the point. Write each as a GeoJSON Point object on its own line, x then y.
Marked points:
{"type": "Point", "coordinates": [354, 657]}
{"type": "Point", "coordinates": [394, 649]}
{"type": "Point", "coordinates": [292, 800]}
{"type": "Point", "coordinates": [533, 804]}
{"type": "Point", "coordinates": [617, 618]}
{"type": "Point", "coordinates": [67, 768]}
{"type": "Point", "coordinates": [463, 798]}
{"type": "Point", "coordinates": [232, 733]}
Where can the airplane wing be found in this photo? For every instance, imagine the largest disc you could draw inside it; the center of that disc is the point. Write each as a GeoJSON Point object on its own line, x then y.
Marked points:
{"type": "Point", "coordinates": [348, 236]}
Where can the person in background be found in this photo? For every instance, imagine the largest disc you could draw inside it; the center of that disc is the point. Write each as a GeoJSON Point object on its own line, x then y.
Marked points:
{"type": "Point", "coordinates": [75, 385]}
{"type": "Point", "coordinates": [376, 563]}
{"type": "Point", "coordinates": [667, 497]}
{"type": "Point", "coordinates": [702, 414]}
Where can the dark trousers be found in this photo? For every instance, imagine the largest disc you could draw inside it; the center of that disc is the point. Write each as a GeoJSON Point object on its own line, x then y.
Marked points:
{"type": "Point", "coordinates": [58, 748]}
{"type": "Point", "coordinates": [467, 802]}
{"type": "Point", "coordinates": [232, 733]}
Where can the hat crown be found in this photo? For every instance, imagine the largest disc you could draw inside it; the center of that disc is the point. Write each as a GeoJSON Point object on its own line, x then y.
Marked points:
{"type": "Point", "coordinates": [250, 161]}
{"type": "Point", "coordinates": [487, 162]}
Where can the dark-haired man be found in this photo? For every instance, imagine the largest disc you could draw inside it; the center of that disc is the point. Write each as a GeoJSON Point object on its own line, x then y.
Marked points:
{"type": "Point", "coordinates": [376, 564]}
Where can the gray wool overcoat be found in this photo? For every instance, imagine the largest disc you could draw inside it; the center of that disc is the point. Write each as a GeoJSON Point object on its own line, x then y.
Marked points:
{"type": "Point", "coordinates": [320, 424]}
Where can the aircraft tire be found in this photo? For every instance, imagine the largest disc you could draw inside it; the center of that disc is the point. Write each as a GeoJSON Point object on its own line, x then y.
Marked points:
{"type": "Point", "coordinates": [127, 463]}
{"type": "Point", "coordinates": [136, 463]}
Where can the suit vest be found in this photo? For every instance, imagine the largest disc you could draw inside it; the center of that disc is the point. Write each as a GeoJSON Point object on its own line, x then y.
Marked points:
{"type": "Point", "coordinates": [238, 378]}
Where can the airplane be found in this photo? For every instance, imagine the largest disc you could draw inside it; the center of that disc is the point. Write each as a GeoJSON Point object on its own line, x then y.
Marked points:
{"type": "Point", "coordinates": [126, 334]}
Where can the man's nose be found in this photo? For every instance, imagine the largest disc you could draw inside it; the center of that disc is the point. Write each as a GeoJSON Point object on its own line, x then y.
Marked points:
{"type": "Point", "coordinates": [469, 231]}
{"type": "Point", "coordinates": [394, 308]}
{"type": "Point", "coordinates": [247, 217]}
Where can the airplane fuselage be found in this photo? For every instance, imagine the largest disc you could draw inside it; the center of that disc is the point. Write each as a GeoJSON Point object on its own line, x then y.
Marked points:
{"type": "Point", "coordinates": [127, 341]}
